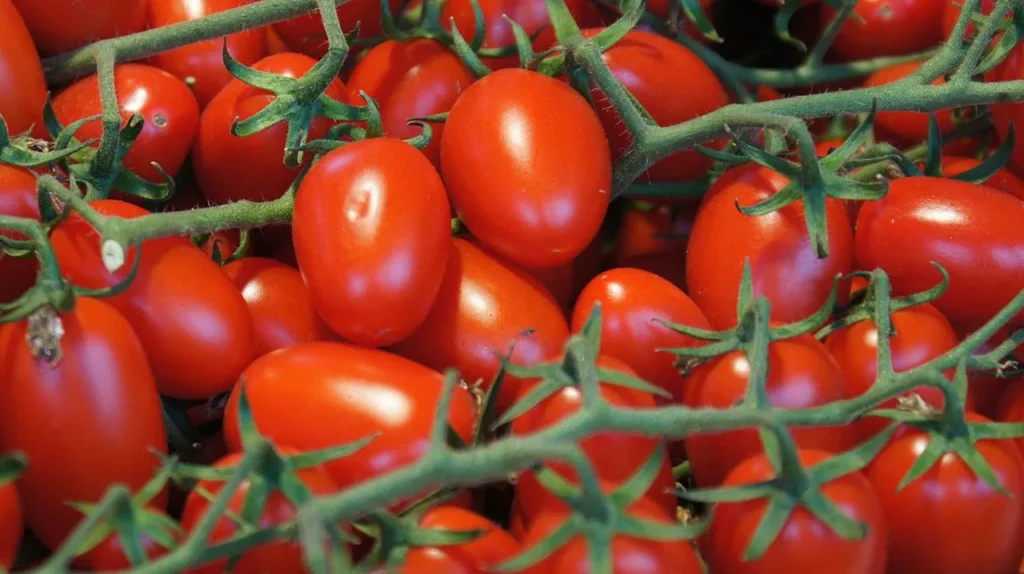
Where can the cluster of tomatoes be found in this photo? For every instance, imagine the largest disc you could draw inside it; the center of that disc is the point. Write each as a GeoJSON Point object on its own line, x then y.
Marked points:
{"type": "Point", "coordinates": [341, 323]}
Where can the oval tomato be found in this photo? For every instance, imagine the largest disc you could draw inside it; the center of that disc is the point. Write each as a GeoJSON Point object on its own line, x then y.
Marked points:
{"type": "Point", "coordinates": [920, 334]}
{"type": "Point", "coordinates": [20, 106]}
{"type": "Point", "coordinates": [629, 554]}
{"type": "Point", "coordinates": [905, 127]}
{"type": "Point", "coordinates": [191, 319]}
{"type": "Point", "coordinates": [615, 456]}
{"type": "Point", "coordinates": [801, 374]}
{"type": "Point", "coordinates": [411, 80]}
{"type": "Point", "coordinates": [109, 555]}
{"type": "Point", "coordinates": [17, 198]}
{"type": "Point", "coordinates": [1010, 408]}
{"type": "Point", "coordinates": [101, 392]}
{"type": "Point", "coordinates": [201, 65]}
{"type": "Point", "coordinates": [166, 104]}
{"type": "Point", "coordinates": [372, 229]}
{"type": "Point", "coordinates": [971, 230]}
{"type": "Point", "coordinates": [955, 500]}
{"type": "Point", "coordinates": [493, 547]}
{"type": "Point", "coordinates": [306, 34]}
{"type": "Point", "coordinates": [347, 393]}
{"type": "Point", "coordinates": [804, 543]}
{"type": "Point", "coordinates": [231, 168]}
{"type": "Point", "coordinates": [532, 15]}
{"type": "Point", "coordinates": [649, 66]}
{"type": "Point", "coordinates": [282, 313]}
{"type": "Point", "coordinates": [1006, 114]}
{"type": "Point", "coordinates": [10, 525]}
{"type": "Point", "coordinates": [886, 28]}
{"type": "Point", "coordinates": [60, 26]}
{"type": "Point", "coordinates": [783, 263]}
{"type": "Point", "coordinates": [632, 304]}
{"type": "Point", "coordinates": [277, 510]}
{"type": "Point", "coordinates": [1003, 179]}
{"type": "Point", "coordinates": [482, 309]}
{"type": "Point", "coordinates": [655, 240]}
{"type": "Point", "coordinates": [545, 160]}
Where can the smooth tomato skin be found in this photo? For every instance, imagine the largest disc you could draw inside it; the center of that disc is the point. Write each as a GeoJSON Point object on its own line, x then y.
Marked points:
{"type": "Point", "coordinates": [615, 456]}
{"type": "Point", "coordinates": [632, 555]}
{"type": "Point", "coordinates": [409, 80]}
{"type": "Point", "coordinates": [10, 525]}
{"type": "Point", "coordinates": [282, 313]}
{"type": "Point", "coordinates": [783, 263]}
{"type": "Point", "coordinates": [1005, 115]}
{"type": "Point", "coordinates": [532, 15]}
{"type": "Point", "coordinates": [527, 166]}
{"type": "Point", "coordinates": [905, 127]}
{"type": "Point", "coordinates": [372, 230]}
{"type": "Point", "coordinates": [655, 240]}
{"type": "Point", "coordinates": [1003, 179]}
{"type": "Point", "coordinates": [193, 322]}
{"type": "Point", "coordinates": [649, 66]}
{"type": "Point", "coordinates": [632, 304]}
{"type": "Point", "coordinates": [801, 374]}
{"type": "Point", "coordinates": [305, 34]}
{"type": "Point", "coordinates": [21, 108]}
{"type": "Point", "coordinates": [231, 168]}
{"type": "Point", "coordinates": [971, 230]}
{"type": "Point", "coordinates": [347, 393]}
{"type": "Point", "coordinates": [493, 547]}
{"type": "Point", "coordinates": [101, 392]}
{"type": "Point", "coordinates": [166, 104]}
{"type": "Point", "coordinates": [274, 557]}
{"type": "Point", "coordinates": [203, 61]}
{"type": "Point", "coordinates": [60, 26]}
{"type": "Point", "coordinates": [886, 28]}
{"type": "Point", "coordinates": [1010, 408]}
{"type": "Point", "coordinates": [928, 517]}
{"type": "Point", "coordinates": [805, 543]}
{"type": "Point", "coordinates": [17, 198]}
{"type": "Point", "coordinates": [109, 555]}
{"type": "Point", "coordinates": [482, 309]}
{"type": "Point", "coordinates": [920, 334]}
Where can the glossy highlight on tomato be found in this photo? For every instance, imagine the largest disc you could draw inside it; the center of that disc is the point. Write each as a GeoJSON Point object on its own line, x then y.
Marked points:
{"type": "Point", "coordinates": [21, 107]}
{"type": "Point", "coordinates": [887, 28]}
{"type": "Point", "coordinates": [545, 160]}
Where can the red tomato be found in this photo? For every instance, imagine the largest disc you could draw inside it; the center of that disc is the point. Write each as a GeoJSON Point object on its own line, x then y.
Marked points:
{"type": "Point", "coordinates": [282, 313]}
{"type": "Point", "coordinates": [886, 28]}
{"type": "Point", "coordinates": [273, 557]}
{"type": "Point", "coordinates": [202, 62]}
{"type": "Point", "coordinates": [372, 230]}
{"type": "Point", "coordinates": [411, 80]}
{"type": "Point", "coordinates": [306, 34]}
{"type": "Point", "coordinates": [559, 281]}
{"type": "Point", "coordinates": [905, 128]}
{"type": "Point", "coordinates": [783, 263]}
{"type": "Point", "coordinates": [1003, 179]}
{"type": "Point", "coordinates": [615, 456]}
{"type": "Point", "coordinates": [21, 107]}
{"type": "Point", "coordinates": [920, 334]}
{"type": "Point", "coordinates": [801, 374]}
{"type": "Point", "coordinates": [1005, 115]}
{"type": "Point", "coordinates": [10, 525]}
{"type": "Point", "coordinates": [230, 168]}
{"type": "Point", "coordinates": [168, 107]}
{"type": "Point", "coordinates": [532, 15]}
{"type": "Point", "coordinates": [109, 555]}
{"type": "Point", "coordinates": [655, 240]}
{"type": "Point", "coordinates": [192, 320]}
{"type": "Point", "coordinates": [17, 198]}
{"type": "Point", "coordinates": [971, 230]}
{"type": "Point", "coordinates": [275, 45]}
{"type": "Point", "coordinates": [347, 393]}
{"type": "Point", "coordinates": [1010, 408]}
{"type": "Point", "coordinates": [928, 517]}
{"type": "Point", "coordinates": [60, 26]}
{"type": "Point", "coordinates": [493, 547]}
{"type": "Point", "coordinates": [660, 9]}
{"type": "Point", "coordinates": [805, 543]}
{"type": "Point", "coordinates": [482, 309]}
{"type": "Point", "coordinates": [225, 243]}
{"type": "Point", "coordinates": [544, 156]}
{"type": "Point", "coordinates": [632, 302]}
{"type": "Point", "coordinates": [629, 554]}
{"type": "Point", "coordinates": [100, 393]}
{"type": "Point", "coordinates": [951, 13]}
{"type": "Point", "coordinates": [649, 66]}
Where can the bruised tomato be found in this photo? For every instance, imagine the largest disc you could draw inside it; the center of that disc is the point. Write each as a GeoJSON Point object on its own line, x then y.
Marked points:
{"type": "Point", "coordinates": [86, 422]}
{"type": "Point", "coordinates": [372, 230]}
{"type": "Point", "coordinates": [191, 319]}
{"type": "Point", "coordinates": [485, 310]}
